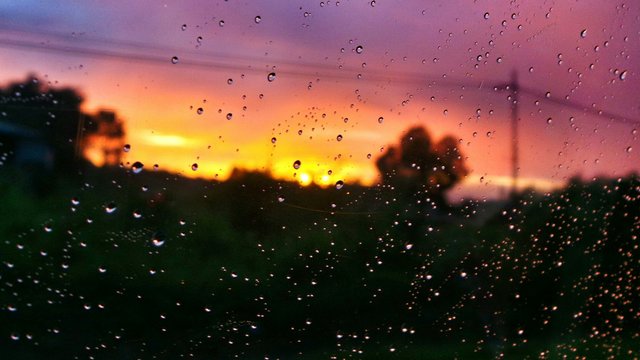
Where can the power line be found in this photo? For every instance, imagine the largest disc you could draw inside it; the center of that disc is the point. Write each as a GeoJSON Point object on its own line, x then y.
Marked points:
{"type": "Point", "coordinates": [302, 69]}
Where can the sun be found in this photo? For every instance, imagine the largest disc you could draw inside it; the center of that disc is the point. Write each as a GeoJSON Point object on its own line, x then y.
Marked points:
{"type": "Point", "coordinates": [304, 179]}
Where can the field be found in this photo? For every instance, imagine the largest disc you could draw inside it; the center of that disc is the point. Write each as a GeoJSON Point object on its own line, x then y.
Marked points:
{"type": "Point", "coordinates": [112, 264]}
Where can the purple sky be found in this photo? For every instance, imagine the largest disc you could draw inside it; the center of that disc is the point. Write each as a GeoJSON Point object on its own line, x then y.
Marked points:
{"type": "Point", "coordinates": [405, 45]}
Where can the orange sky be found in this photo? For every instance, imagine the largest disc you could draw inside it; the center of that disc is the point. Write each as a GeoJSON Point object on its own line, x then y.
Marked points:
{"type": "Point", "coordinates": [317, 85]}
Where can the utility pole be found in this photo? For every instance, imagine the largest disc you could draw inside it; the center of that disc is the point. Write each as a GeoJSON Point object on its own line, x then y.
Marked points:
{"type": "Point", "coordinates": [514, 87]}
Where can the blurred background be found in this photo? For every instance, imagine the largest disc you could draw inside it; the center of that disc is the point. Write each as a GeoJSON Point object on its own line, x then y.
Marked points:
{"type": "Point", "coordinates": [335, 179]}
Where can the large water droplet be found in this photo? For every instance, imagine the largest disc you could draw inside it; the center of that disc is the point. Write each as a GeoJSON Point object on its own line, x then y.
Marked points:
{"type": "Point", "coordinates": [339, 137]}
{"type": "Point", "coordinates": [174, 60]}
{"type": "Point", "coordinates": [296, 164]}
{"type": "Point", "coordinates": [157, 240]}
{"type": "Point", "coordinates": [359, 49]}
{"type": "Point", "coordinates": [127, 148]}
{"type": "Point", "coordinates": [339, 184]}
{"type": "Point", "coordinates": [200, 111]}
{"type": "Point", "coordinates": [257, 19]}
{"type": "Point", "coordinates": [229, 116]}
{"type": "Point", "coordinates": [194, 166]}
{"type": "Point", "coordinates": [137, 167]}
{"type": "Point", "coordinates": [623, 75]}
{"type": "Point", "coordinates": [583, 33]}
{"type": "Point", "coordinates": [110, 208]}
{"type": "Point", "coordinates": [273, 140]}
{"type": "Point", "coordinates": [271, 76]}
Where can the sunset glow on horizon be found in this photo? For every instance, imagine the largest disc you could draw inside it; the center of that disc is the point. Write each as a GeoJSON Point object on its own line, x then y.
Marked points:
{"type": "Point", "coordinates": [344, 88]}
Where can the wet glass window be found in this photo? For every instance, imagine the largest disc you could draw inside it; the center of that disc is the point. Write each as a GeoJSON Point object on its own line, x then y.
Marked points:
{"type": "Point", "coordinates": [319, 180]}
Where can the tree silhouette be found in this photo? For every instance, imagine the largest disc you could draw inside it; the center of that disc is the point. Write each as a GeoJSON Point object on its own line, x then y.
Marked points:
{"type": "Point", "coordinates": [54, 116]}
{"type": "Point", "coordinates": [104, 133]}
{"type": "Point", "coordinates": [418, 166]}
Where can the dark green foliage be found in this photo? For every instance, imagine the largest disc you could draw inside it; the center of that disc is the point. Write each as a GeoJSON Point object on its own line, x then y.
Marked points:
{"type": "Point", "coordinates": [239, 266]}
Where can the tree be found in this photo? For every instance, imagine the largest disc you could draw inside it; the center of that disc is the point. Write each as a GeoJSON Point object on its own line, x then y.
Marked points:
{"type": "Point", "coordinates": [54, 116]}
{"type": "Point", "coordinates": [419, 167]}
{"type": "Point", "coordinates": [103, 139]}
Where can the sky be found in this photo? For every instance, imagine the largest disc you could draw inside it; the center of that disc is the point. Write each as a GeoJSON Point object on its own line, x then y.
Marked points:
{"type": "Point", "coordinates": [340, 66]}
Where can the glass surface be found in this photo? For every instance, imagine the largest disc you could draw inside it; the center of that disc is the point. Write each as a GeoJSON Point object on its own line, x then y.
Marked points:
{"type": "Point", "coordinates": [319, 179]}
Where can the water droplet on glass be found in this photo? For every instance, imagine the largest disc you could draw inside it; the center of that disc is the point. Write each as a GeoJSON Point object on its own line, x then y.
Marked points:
{"type": "Point", "coordinates": [486, 15]}
{"type": "Point", "coordinates": [174, 60]}
{"type": "Point", "coordinates": [229, 116]}
{"type": "Point", "coordinates": [200, 111]}
{"type": "Point", "coordinates": [359, 49]}
{"type": "Point", "coordinates": [296, 164]}
{"type": "Point", "coordinates": [549, 120]}
{"type": "Point", "coordinates": [126, 148]}
{"type": "Point", "coordinates": [273, 140]}
{"type": "Point", "coordinates": [623, 75]}
{"type": "Point", "coordinates": [373, 3]}
{"type": "Point", "coordinates": [230, 81]}
{"type": "Point", "coordinates": [184, 27]}
{"type": "Point", "coordinates": [548, 94]}
{"type": "Point", "coordinates": [271, 76]}
{"type": "Point", "coordinates": [499, 60]}
{"type": "Point", "coordinates": [380, 120]}
{"type": "Point", "coordinates": [137, 167]}
{"type": "Point", "coordinates": [75, 201]}
{"type": "Point", "coordinates": [280, 199]}
{"type": "Point", "coordinates": [102, 270]}
{"type": "Point", "coordinates": [110, 208]}
{"type": "Point", "coordinates": [339, 137]}
{"type": "Point", "coordinates": [137, 214]}
{"type": "Point", "coordinates": [48, 228]}
{"type": "Point", "coordinates": [368, 156]}
{"type": "Point", "coordinates": [583, 33]}
{"type": "Point", "coordinates": [194, 166]}
{"type": "Point", "coordinates": [339, 184]}
{"type": "Point", "coordinates": [157, 240]}
{"type": "Point", "coordinates": [257, 19]}
{"type": "Point", "coordinates": [221, 23]}
{"type": "Point", "coordinates": [629, 149]}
